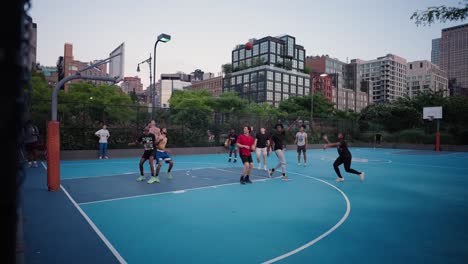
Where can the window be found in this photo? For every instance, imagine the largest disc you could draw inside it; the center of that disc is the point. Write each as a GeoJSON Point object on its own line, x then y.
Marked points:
{"type": "Point", "coordinates": [246, 78]}
{"type": "Point", "coordinates": [272, 58]}
{"type": "Point", "coordinates": [306, 91]}
{"type": "Point", "coordinates": [248, 53]}
{"type": "Point", "coordinates": [270, 75]}
{"type": "Point", "coordinates": [272, 47]}
{"type": "Point", "coordinates": [301, 55]}
{"type": "Point", "coordinates": [270, 86]}
{"type": "Point", "coordinates": [264, 58]}
{"type": "Point", "coordinates": [299, 91]}
{"type": "Point", "coordinates": [264, 47]}
{"type": "Point", "coordinates": [301, 65]}
{"type": "Point", "coordinates": [235, 65]}
{"type": "Point", "coordinates": [293, 89]}
{"type": "Point", "coordinates": [248, 62]}
{"type": "Point", "coordinates": [241, 54]}
{"type": "Point", "coordinates": [255, 49]}
{"type": "Point", "coordinates": [300, 81]}
{"type": "Point", "coordinates": [235, 56]}
{"type": "Point", "coordinates": [277, 86]}
{"type": "Point", "coordinates": [253, 77]}
{"type": "Point", "coordinates": [239, 79]}
{"type": "Point", "coordinates": [285, 96]}
{"type": "Point", "coordinates": [420, 65]}
{"type": "Point", "coordinates": [277, 96]}
{"type": "Point", "coordinates": [294, 64]}
{"type": "Point", "coordinates": [270, 96]}
{"type": "Point", "coordinates": [277, 76]}
{"type": "Point", "coordinates": [279, 47]}
{"type": "Point", "coordinates": [286, 78]}
{"type": "Point", "coordinates": [261, 76]}
{"type": "Point", "coordinates": [293, 79]}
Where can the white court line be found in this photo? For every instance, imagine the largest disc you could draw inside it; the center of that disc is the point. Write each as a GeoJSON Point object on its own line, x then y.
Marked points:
{"type": "Point", "coordinates": [77, 163]}
{"type": "Point", "coordinates": [348, 210]}
{"type": "Point", "coordinates": [93, 226]}
{"type": "Point", "coordinates": [185, 190]}
{"type": "Point", "coordinates": [431, 166]}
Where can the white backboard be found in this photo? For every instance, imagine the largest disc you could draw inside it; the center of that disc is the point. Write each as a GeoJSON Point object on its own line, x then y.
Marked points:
{"type": "Point", "coordinates": [116, 64]}
{"type": "Point", "coordinates": [434, 112]}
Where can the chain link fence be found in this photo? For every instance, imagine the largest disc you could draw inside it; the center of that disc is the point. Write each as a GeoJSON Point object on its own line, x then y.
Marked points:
{"type": "Point", "coordinates": [202, 128]}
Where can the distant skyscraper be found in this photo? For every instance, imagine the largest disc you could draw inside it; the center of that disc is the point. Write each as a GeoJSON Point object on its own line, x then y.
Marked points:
{"type": "Point", "coordinates": [435, 52]}
{"type": "Point", "coordinates": [424, 76]}
{"type": "Point", "coordinates": [386, 77]}
{"type": "Point", "coordinates": [454, 58]}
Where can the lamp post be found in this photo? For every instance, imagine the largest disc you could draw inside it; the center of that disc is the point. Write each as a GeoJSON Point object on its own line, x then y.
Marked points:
{"type": "Point", "coordinates": [312, 98]}
{"type": "Point", "coordinates": [149, 64]}
{"type": "Point", "coordinates": [161, 38]}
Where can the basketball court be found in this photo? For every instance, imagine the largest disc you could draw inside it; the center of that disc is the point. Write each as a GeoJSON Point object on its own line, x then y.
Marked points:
{"type": "Point", "coordinates": [411, 208]}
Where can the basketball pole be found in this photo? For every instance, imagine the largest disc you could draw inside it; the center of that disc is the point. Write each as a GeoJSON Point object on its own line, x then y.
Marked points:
{"type": "Point", "coordinates": [437, 137]}
{"type": "Point", "coordinates": [53, 127]}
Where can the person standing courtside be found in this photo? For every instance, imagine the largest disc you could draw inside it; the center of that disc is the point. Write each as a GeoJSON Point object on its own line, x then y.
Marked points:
{"type": "Point", "coordinates": [103, 135]}
{"type": "Point", "coordinates": [246, 145]}
{"type": "Point", "coordinates": [301, 141]}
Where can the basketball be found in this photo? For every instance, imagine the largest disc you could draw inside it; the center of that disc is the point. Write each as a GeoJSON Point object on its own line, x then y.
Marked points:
{"type": "Point", "coordinates": [248, 45]}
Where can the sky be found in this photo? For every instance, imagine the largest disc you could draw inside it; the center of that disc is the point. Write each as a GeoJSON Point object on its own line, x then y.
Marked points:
{"type": "Point", "coordinates": [204, 32]}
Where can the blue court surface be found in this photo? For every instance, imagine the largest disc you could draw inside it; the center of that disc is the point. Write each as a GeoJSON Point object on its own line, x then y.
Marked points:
{"type": "Point", "coordinates": [411, 208]}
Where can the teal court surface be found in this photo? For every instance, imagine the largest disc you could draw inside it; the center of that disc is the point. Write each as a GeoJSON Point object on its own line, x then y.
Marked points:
{"type": "Point", "coordinates": [411, 208]}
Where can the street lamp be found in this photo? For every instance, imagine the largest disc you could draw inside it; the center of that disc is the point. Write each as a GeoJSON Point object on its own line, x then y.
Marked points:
{"type": "Point", "coordinates": [149, 64]}
{"type": "Point", "coordinates": [312, 98]}
{"type": "Point", "coordinates": [163, 38]}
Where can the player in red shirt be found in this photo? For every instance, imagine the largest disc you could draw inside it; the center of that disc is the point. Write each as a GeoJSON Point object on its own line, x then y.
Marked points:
{"type": "Point", "coordinates": [246, 144]}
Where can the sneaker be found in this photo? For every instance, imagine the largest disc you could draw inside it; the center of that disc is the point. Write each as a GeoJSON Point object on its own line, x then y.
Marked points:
{"type": "Point", "coordinates": [299, 164]}
{"type": "Point", "coordinates": [169, 175]}
{"type": "Point", "coordinates": [305, 164]}
{"type": "Point", "coordinates": [285, 178]}
{"type": "Point", "coordinates": [235, 160]}
{"type": "Point", "coordinates": [35, 164]}
{"type": "Point", "coordinates": [153, 180]}
{"type": "Point", "coordinates": [229, 160]}
{"type": "Point", "coordinates": [259, 167]}
{"type": "Point", "coordinates": [339, 179]}
{"type": "Point", "coordinates": [247, 179]}
{"type": "Point", "coordinates": [270, 173]}
{"type": "Point", "coordinates": [242, 181]}
{"type": "Point", "coordinates": [361, 176]}
{"type": "Point", "coordinates": [265, 168]}
{"type": "Point", "coordinates": [141, 178]}
{"type": "Point", "coordinates": [100, 157]}
{"type": "Point", "coordinates": [106, 157]}
{"type": "Point", "coordinates": [29, 164]}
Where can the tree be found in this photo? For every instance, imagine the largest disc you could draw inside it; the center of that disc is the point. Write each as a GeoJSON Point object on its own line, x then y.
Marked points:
{"type": "Point", "coordinates": [227, 68]}
{"type": "Point", "coordinates": [441, 13]}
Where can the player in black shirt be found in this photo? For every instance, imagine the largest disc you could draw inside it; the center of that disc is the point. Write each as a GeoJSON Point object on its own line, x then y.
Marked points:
{"type": "Point", "coordinates": [344, 157]}
{"type": "Point", "coordinates": [232, 145]}
{"type": "Point", "coordinates": [277, 144]}
{"type": "Point", "coordinates": [148, 142]}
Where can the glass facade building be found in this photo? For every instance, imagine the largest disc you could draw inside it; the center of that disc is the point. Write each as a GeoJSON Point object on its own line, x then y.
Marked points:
{"type": "Point", "coordinates": [272, 71]}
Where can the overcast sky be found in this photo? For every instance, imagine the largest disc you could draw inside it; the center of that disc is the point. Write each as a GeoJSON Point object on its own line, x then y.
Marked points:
{"type": "Point", "coordinates": [204, 32]}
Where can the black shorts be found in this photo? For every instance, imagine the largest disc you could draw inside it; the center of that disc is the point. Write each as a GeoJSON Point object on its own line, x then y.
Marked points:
{"type": "Point", "coordinates": [301, 148]}
{"type": "Point", "coordinates": [246, 159]}
{"type": "Point", "coordinates": [31, 146]}
{"type": "Point", "coordinates": [147, 154]}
